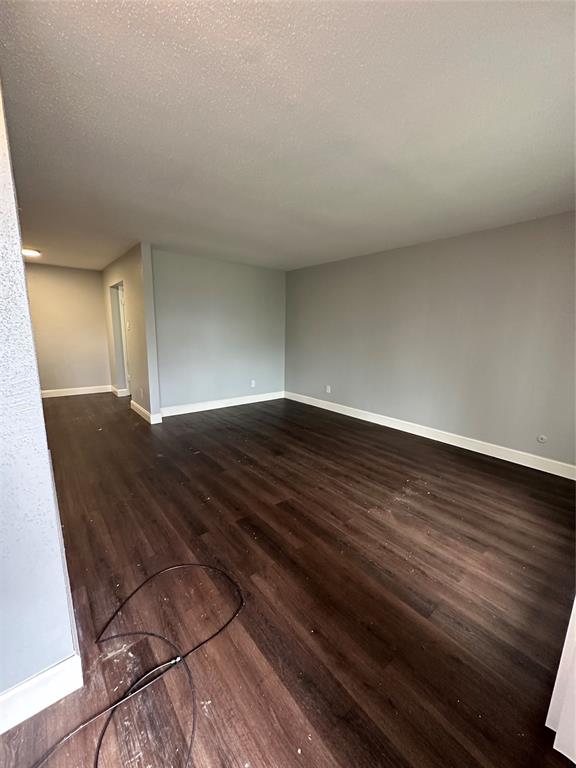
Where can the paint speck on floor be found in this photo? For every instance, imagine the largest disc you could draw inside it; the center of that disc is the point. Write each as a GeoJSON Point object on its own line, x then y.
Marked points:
{"type": "Point", "coordinates": [112, 654]}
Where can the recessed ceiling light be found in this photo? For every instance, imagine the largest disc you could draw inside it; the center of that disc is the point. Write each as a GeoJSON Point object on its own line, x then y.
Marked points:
{"type": "Point", "coordinates": [32, 252]}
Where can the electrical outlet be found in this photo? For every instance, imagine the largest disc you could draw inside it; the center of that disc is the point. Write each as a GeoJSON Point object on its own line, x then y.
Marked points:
{"type": "Point", "coordinates": [328, 389]}
{"type": "Point", "coordinates": [252, 383]}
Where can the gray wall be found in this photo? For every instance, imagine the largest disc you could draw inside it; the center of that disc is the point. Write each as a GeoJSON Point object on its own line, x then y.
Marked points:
{"type": "Point", "coordinates": [219, 325]}
{"type": "Point", "coordinates": [473, 335]}
{"type": "Point", "coordinates": [128, 269]}
{"type": "Point", "coordinates": [36, 622]}
{"type": "Point", "coordinates": [67, 308]}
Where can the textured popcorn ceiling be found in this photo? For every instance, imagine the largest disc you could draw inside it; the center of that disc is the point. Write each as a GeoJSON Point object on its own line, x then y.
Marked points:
{"type": "Point", "coordinates": [285, 133]}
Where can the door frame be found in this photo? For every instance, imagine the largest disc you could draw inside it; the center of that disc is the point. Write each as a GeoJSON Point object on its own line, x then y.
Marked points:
{"type": "Point", "coordinates": [118, 298]}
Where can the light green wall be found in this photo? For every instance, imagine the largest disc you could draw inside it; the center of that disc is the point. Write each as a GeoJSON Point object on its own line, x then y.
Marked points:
{"type": "Point", "coordinates": [67, 309]}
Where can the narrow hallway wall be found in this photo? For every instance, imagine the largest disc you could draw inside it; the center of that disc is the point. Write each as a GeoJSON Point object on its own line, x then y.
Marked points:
{"type": "Point", "coordinates": [69, 324]}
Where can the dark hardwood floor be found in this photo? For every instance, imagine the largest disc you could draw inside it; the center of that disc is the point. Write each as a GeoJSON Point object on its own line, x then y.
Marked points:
{"type": "Point", "coordinates": [406, 601]}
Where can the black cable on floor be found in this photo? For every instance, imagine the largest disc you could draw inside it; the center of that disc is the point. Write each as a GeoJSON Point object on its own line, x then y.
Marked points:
{"type": "Point", "coordinates": [154, 674]}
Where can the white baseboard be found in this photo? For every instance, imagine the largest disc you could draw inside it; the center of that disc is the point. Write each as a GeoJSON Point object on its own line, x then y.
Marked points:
{"type": "Point", "coordinates": [151, 418]}
{"type": "Point", "coordinates": [209, 405]}
{"type": "Point", "coordinates": [120, 392]}
{"type": "Point", "coordinates": [471, 444]}
{"type": "Point", "coordinates": [77, 391]}
{"type": "Point", "coordinates": [35, 694]}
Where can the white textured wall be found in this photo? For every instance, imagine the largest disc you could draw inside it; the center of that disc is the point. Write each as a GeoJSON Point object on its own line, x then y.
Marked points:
{"type": "Point", "coordinates": [36, 627]}
{"type": "Point", "coordinates": [69, 324]}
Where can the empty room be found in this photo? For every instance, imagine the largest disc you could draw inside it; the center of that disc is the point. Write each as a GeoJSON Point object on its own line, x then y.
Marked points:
{"type": "Point", "coordinates": [287, 384]}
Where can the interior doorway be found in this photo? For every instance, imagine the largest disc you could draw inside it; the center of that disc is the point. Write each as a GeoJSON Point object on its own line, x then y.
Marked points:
{"type": "Point", "coordinates": [121, 381]}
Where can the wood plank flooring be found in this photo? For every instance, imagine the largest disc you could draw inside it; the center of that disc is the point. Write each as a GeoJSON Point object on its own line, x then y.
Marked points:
{"type": "Point", "coordinates": [406, 601]}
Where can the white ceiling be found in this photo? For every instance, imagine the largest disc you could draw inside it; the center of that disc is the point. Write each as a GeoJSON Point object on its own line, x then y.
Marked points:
{"type": "Point", "coordinates": [284, 133]}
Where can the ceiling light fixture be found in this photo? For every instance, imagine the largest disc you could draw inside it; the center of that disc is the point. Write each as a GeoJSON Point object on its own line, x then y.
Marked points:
{"type": "Point", "coordinates": [31, 252]}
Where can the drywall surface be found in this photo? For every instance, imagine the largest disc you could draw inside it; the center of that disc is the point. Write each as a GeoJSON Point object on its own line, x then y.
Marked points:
{"type": "Point", "coordinates": [67, 308]}
{"type": "Point", "coordinates": [37, 630]}
{"type": "Point", "coordinates": [150, 315]}
{"type": "Point", "coordinates": [219, 326]}
{"type": "Point", "coordinates": [128, 270]}
{"type": "Point", "coordinates": [473, 335]}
